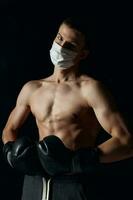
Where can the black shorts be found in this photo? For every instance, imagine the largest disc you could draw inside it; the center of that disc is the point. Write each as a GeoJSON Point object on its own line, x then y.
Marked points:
{"type": "Point", "coordinates": [72, 187]}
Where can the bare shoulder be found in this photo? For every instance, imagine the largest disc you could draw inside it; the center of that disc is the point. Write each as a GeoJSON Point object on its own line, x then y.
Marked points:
{"type": "Point", "coordinates": [95, 91]}
{"type": "Point", "coordinates": [27, 91]}
{"type": "Point", "coordinates": [31, 86]}
{"type": "Point", "coordinates": [88, 83]}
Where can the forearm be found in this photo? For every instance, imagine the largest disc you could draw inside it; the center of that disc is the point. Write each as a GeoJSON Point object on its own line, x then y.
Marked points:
{"type": "Point", "coordinates": [9, 135]}
{"type": "Point", "coordinates": [113, 150]}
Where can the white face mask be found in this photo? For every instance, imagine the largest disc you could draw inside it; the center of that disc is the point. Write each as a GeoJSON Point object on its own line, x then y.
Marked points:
{"type": "Point", "coordinates": [62, 57]}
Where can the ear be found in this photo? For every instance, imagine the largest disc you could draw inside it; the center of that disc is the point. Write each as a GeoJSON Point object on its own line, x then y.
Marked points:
{"type": "Point", "coordinates": [84, 54]}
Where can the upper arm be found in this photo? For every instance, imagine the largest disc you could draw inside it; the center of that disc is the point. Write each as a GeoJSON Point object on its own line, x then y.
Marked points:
{"type": "Point", "coordinates": [106, 111]}
{"type": "Point", "coordinates": [21, 110]}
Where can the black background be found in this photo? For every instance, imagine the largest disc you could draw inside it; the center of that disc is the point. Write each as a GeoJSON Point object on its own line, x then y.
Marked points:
{"type": "Point", "coordinates": [26, 33]}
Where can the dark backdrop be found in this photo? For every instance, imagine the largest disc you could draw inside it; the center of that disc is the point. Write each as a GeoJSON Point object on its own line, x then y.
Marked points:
{"type": "Point", "coordinates": [26, 32]}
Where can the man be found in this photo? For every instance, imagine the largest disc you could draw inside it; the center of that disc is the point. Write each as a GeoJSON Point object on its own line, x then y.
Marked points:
{"type": "Point", "coordinates": [69, 108]}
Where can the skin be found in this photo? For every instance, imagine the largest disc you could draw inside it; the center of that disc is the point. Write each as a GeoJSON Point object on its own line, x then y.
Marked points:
{"type": "Point", "coordinates": [72, 106]}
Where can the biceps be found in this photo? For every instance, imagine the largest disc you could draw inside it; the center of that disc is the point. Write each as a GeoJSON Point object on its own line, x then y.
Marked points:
{"type": "Point", "coordinates": [17, 117]}
{"type": "Point", "coordinates": [111, 121]}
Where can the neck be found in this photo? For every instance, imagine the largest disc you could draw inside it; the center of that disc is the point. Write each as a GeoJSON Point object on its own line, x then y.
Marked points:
{"type": "Point", "coordinates": [62, 75]}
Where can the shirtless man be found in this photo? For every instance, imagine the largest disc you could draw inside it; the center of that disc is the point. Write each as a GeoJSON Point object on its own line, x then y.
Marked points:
{"type": "Point", "coordinates": [72, 107]}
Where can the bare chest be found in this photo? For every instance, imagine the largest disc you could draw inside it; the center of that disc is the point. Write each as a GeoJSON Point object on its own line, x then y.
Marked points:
{"type": "Point", "coordinates": [57, 101]}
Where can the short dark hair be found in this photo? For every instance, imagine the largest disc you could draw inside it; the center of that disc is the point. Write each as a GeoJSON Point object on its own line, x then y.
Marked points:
{"type": "Point", "coordinates": [81, 26]}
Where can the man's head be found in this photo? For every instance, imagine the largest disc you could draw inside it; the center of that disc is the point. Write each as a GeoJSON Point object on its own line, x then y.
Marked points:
{"type": "Point", "coordinates": [70, 44]}
{"type": "Point", "coordinates": [79, 30]}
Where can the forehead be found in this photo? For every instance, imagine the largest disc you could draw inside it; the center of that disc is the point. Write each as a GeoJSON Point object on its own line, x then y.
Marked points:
{"type": "Point", "coordinates": [70, 34]}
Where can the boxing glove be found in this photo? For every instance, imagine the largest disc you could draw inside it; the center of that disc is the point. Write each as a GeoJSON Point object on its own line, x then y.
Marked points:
{"type": "Point", "coordinates": [57, 159]}
{"type": "Point", "coordinates": [22, 155]}
{"type": "Point", "coordinates": [54, 156]}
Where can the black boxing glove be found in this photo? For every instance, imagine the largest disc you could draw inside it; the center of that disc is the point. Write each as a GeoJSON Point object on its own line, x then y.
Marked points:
{"type": "Point", "coordinates": [57, 159]}
{"type": "Point", "coordinates": [54, 156]}
{"type": "Point", "coordinates": [7, 149]}
{"type": "Point", "coordinates": [22, 155]}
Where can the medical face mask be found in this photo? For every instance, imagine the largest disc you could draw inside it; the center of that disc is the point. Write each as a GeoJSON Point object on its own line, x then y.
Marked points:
{"type": "Point", "coordinates": [62, 57]}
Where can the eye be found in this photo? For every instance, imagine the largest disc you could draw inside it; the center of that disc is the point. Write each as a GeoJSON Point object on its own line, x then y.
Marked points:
{"type": "Point", "coordinates": [59, 37]}
{"type": "Point", "coordinates": [71, 46]}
